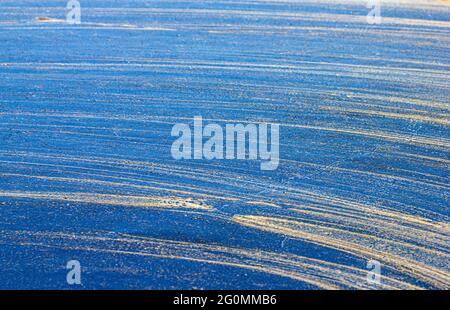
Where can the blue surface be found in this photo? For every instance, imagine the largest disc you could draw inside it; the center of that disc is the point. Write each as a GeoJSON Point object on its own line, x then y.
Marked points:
{"type": "Point", "coordinates": [86, 171]}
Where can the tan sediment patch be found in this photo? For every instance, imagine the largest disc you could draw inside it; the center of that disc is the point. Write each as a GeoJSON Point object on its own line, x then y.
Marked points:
{"type": "Point", "coordinates": [112, 199]}
{"type": "Point", "coordinates": [49, 20]}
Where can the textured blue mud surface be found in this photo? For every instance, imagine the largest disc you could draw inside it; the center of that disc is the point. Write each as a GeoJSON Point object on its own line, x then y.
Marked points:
{"type": "Point", "coordinates": [86, 172]}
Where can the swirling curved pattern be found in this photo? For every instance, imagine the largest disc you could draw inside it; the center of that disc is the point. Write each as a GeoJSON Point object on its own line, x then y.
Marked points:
{"type": "Point", "coordinates": [86, 171]}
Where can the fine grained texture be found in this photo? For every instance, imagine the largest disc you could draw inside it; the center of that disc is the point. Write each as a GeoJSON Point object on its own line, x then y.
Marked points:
{"type": "Point", "coordinates": [86, 171]}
